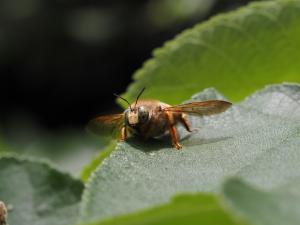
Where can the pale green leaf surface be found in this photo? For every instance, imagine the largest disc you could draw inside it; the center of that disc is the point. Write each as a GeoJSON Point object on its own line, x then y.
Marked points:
{"type": "Point", "coordinates": [89, 169]}
{"type": "Point", "coordinates": [237, 53]}
{"type": "Point", "coordinates": [256, 140]}
{"type": "Point", "coordinates": [278, 207]}
{"type": "Point", "coordinates": [38, 194]}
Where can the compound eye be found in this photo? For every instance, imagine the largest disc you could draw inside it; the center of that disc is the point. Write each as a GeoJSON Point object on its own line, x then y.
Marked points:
{"type": "Point", "coordinates": [143, 114]}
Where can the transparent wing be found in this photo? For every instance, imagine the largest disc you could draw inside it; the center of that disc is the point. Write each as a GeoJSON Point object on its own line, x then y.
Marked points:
{"type": "Point", "coordinates": [109, 125]}
{"type": "Point", "coordinates": [200, 108]}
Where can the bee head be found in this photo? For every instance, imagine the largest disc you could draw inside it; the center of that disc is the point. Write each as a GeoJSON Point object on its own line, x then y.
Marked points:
{"type": "Point", "coordinates": [139, 115]}
{"type": "Point", "coordinates": [135, 115]}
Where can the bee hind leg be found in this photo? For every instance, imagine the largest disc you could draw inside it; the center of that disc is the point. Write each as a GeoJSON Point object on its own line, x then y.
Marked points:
{"type": "Point", "coordinates": [175, 137]}
{"type": "Point", "coordinates": [173, 131]}
{"type": "Point", "coordinates": [185, 122]}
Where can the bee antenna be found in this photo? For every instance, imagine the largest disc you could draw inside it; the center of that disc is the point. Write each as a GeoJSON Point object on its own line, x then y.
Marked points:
{"type": "Point", "coordinates": [123, 100]}
{"type": "Point", "coordinates": [139, 96]}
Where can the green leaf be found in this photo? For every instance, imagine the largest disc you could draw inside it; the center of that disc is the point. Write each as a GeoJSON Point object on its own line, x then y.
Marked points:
{"type": "Point", "coordinates": [237, 53]}
{"type": "Point", "coordinates": [280, 206]}
{"type": "Point", "coordinates": [184, 209]}
{"type": "Point", "coordinates": [38, 194]}
{"type": "Point", "coordinates": [167, 13]}
{"type": "Point", "coordinates": [257, 140]}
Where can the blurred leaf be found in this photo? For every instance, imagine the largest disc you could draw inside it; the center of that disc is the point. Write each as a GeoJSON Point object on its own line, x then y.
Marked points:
{"type": "Point", "coordinates": [92, 25]}
{"type": "Point", "coordinates": [184, 209]}
{"type": "Point", "coordinates": [18, 9]}
{"type": "Point", "coordinates": [88, 169]}
{"type": "Point", "coordinates": [164, 13]}
{"type": "Point", "coordinates": [237, 53]}
{"type": "Point", "coordinates": [258, 140]}
{"type": "Point", "coordinates": [38, 194]}
{"type": "Point", "coordinates": [280, 206]}
{"type": "Point", "coordinates": [4, 147]}
{"type": "Point", "coordinates": [70, 150]}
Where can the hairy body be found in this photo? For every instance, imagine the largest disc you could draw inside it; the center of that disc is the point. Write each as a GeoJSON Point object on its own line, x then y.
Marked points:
{"type": "Point", "coordinates": [153, 118]}
{"type": "Point", "coordinates": [159, 122]}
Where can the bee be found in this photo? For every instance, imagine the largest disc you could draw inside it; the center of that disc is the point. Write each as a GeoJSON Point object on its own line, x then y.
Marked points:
{"type": "Point", "coordinates": [153, 118]}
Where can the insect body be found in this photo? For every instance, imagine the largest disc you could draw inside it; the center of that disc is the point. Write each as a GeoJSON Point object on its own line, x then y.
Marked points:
{"type": "Point", "coordinates": [152, 118]}
{"type": "Point", "coordinates": [149, 119]}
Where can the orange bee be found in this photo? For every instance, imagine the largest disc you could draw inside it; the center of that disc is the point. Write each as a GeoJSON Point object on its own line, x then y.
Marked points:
{"type": "Point", "coordinates": [153, 118]}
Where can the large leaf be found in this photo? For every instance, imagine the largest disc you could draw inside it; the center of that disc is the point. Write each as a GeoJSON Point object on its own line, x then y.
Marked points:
{"type": "Point", "coordinates": [38, 194]}
{"type": "Point", "coordinates": [89, 169]}
{"type": "Point", "coordinates": [277, 207]}
{"type": "Point", "coordinates": [241, 203]}
{"type": "Point", "coordinates": [184, 209]}
{"type": "Point", "coordinates": [257, 140]}
{"type": "Point", "coordinates": [237, 53]}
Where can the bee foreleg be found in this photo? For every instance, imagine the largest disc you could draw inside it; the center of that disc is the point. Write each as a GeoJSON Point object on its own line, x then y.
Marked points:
{"type": "Point", "coordinates": [123, 134]}
{"type": "Point", "coordinates": [173, 131]}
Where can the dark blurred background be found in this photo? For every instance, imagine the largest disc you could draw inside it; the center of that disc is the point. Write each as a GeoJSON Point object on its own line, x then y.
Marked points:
{"type": "Point", "coordinates": [61, 61]}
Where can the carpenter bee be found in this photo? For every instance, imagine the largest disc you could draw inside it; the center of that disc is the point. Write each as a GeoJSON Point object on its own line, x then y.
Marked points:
{"type": "Point", "coordinates": [153, 118]}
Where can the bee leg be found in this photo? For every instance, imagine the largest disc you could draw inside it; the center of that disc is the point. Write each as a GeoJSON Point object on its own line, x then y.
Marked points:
{"type": "Point", "coordinates": [185, 122]}
{"type": "Point", "coordinates": [173, 131]}
{"type": "Point", "coordinates": [175, 137]}
{"type": "Point", "coordinates": [123, 134]}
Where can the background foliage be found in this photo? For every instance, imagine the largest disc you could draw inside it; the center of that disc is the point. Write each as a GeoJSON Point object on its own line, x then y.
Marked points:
{"type": "Point", "coordinates": [237, 53]}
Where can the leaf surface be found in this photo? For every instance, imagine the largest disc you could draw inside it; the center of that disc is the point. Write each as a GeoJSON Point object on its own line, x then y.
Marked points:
{"type": "Point", "coordinates": [279, 206]}
{"type": "Point", "coordinates": [183, 209]}
{"type": "Point", "coordinates": [257, 140]}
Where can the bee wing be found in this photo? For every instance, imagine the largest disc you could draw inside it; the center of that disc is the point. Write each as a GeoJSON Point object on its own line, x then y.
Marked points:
{"type": "Point", "coordinates": [200, 108]}
{"type": "Point", "coordinates": [107, 125]}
